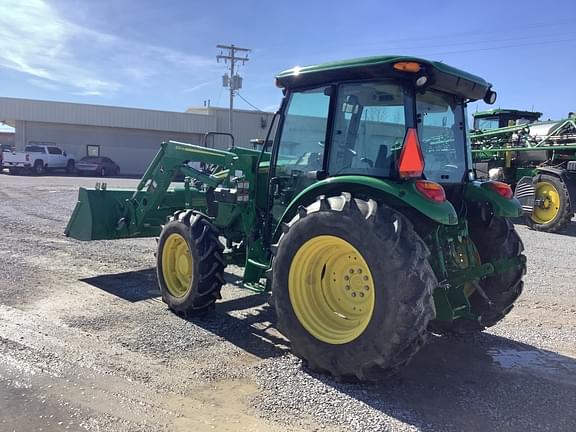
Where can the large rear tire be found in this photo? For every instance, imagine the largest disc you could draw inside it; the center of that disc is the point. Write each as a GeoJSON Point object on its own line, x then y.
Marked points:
{"type": "Point", "coordinates": [190, 264]}
{"type": "Point", "coordinates": [495, 240]}
{"type": "Point", "coordinates": [352, 288]}
{"type": "Point", "coordinates": [553, 210]}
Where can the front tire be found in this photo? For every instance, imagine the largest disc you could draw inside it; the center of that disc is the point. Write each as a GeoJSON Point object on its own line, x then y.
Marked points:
{"type": "Point", "coordinates": [332, 252]}
{"type": "Point", "coordinates": [190, 264]}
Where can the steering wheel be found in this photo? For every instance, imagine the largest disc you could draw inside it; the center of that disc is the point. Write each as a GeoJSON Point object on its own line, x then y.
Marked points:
{"type": "Point", "coordinates": [342, 146]}
{"type": "Point", "coordinates": [450, 168]}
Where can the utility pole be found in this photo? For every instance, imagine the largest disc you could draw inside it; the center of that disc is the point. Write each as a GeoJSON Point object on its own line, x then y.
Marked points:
{"type": "Point", "coordinates": [232, 81]}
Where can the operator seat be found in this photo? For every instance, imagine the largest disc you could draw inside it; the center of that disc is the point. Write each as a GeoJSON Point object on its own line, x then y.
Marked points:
{"type": "Point", "coordinates": [382, 159]}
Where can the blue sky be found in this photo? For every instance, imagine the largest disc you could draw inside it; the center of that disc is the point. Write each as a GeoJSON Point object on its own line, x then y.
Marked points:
{"type": "Point", "coordinates": [162, 55]}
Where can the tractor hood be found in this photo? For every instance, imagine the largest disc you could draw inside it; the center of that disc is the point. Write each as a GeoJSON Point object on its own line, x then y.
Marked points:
{"type": "Point", "coordinates": [440, 76]}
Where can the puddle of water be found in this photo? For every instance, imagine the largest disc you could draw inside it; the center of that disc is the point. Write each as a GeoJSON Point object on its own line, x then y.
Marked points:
{"type": "Point", "coordinates": [221, 407]}
{"type": "Point", "coordinates": [535, 361]}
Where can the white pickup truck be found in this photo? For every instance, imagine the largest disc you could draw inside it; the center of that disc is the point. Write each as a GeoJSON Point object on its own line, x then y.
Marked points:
{"type": "Point", "coordinates": [38, 159]}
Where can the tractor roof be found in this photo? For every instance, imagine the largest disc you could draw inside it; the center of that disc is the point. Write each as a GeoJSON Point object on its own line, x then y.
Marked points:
{"type": "Point", "coordinates": [512, 112]}
{"type": "Point", "coordinates": [442, 76]}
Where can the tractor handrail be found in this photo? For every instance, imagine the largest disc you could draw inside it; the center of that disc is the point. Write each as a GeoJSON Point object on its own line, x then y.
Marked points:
{"type": "Point", "coordinates": [208, 134]}
{"type": "Point", "coordinates": [172, 156]}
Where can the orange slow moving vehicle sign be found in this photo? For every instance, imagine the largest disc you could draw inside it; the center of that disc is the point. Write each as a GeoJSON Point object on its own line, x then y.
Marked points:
{"type": "Point", "coordinates": [411, 163]}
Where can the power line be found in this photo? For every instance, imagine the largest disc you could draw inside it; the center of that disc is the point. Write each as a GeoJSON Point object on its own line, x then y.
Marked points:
{"type": "Point", "coordinates": [538, 39]}
{"type": "Point", "coordinates": [501, 47]}
{"type": "Point", "coordinates": [219, 96]}
{"type": "Point", "coordinates": [234, 81]}
{"type": "Point", "coordinates": [518, 31]}
{"type": "Point", "coordinates": [244, 99]}
{"type": "Point", "coordinates": [482, 31]}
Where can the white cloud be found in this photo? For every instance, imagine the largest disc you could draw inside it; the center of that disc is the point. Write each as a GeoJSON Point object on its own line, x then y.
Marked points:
{"type": "Point", "coordinates": [197, 87]}
{"type": "Point", "coordinates": [35, 40]}
{"type": "Point", "coordinates": [44, 84]}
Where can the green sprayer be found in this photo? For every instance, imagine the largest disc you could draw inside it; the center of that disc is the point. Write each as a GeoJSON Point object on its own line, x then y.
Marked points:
{"type": "Point", "coordinates": [537, 158]}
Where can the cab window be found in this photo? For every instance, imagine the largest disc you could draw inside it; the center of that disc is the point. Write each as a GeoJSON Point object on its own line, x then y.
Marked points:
{"type": "Point", "coordinates": [369, 128]}
{"type": "Point", "coordinates": [442, 137]}
{"type": "Point", "coordinates": [487, 123]}
{"type": "Point", "coordinates": [304, 130]}
{"type": "Point", "coordinates": [300, 151]}
{"type": "Point", "coordinates": [34, 149]}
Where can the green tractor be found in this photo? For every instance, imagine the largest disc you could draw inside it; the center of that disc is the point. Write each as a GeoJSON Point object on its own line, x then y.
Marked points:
{"type": "Point", "coordinates": [537, 158]}
{"type": "Point", "coordinates": [361, 215]}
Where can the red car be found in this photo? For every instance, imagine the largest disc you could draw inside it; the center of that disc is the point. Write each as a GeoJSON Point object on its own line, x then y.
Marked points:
{"type": "Point", "coordinates": [97, 166]}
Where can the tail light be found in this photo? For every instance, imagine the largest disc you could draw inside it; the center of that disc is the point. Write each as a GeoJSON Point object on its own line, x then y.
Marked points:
{"type": "Point", "coordinates": [431, 190]}
{"type": "Point", "coordinates": [411, 162]}
{"type": "Point", "coordinates": [502, 189]}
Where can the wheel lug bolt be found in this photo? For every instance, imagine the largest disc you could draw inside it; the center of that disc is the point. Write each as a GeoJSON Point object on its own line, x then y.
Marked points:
{"type": "Point", "coordinates": [361, 294]}
{"type": "Point", "coordinates": [353, 294]}
{"type": "Point", "coordinates": [359, 271]}
{"type": "Point", "coordinates": [366, 287]}
{"type": "Point", "coordinates": [346, 277]}
{"type": "Point", "coordinates": [347, 287]}
{"type": "Point", "coordinates": [365, 278]}
{"type": "Point", "coordinates": [351, 271]}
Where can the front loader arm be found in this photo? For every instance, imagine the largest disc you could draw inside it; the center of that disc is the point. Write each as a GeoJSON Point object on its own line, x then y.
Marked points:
{"type": "Point", "coordinates": [171, 157]}
{"type": "Point", "coordinates": [102, 214]}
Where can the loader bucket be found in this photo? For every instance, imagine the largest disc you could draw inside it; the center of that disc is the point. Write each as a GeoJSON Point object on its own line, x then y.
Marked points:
{"type": "Point", "coordinates": [105, 214]}
{"type": "Point", "coordinates": [97, 214]}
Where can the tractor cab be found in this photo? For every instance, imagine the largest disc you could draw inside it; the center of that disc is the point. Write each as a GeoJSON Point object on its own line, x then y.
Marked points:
{"type": "Point", "coordinates": [392, 119]}
{"type": "Point", "coordinates": [499, 118]}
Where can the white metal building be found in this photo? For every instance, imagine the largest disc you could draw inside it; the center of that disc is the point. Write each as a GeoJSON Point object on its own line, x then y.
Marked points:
{"type": "Point", "coordinates": [129, 136]}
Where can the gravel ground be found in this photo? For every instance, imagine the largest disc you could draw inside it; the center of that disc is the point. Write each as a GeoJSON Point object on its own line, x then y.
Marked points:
{"type": "Point", "coordinates": [86, 344]}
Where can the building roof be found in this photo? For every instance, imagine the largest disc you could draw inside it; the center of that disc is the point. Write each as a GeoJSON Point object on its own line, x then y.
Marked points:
{"type": "Point", "coordinates": [6, 129]}
{"type": "Point", "coordinates": [214, 109]}
{"type": "Point", "coordinates": [12, 109]}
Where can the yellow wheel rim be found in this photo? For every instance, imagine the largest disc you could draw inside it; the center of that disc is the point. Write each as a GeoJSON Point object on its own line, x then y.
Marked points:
{"type": "Point", "coordinates": [549, 198]}
{"type": "Point", "coordinates": [177, 265]}
{"type": "Point", "coordinates": [331, 289]}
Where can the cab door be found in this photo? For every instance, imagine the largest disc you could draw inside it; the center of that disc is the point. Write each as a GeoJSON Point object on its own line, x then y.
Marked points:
{"type": "Point", "coordinates": [299, 154]}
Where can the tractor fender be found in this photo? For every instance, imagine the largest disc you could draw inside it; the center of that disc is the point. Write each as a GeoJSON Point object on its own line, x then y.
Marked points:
{"type": "Point", "coordinates": [567, 177]}
{"type": "Point", "coordinates": [394, 193]}
{"type": "Point", "coordinates": [481, 191]}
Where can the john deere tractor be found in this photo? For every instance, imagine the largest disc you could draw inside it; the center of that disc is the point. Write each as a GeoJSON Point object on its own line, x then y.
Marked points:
{"type": "Point", "coordinates": [537, 158]}
{"type": "Point", "coordinates": [361, 215]}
